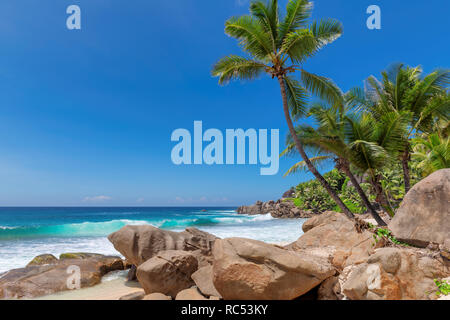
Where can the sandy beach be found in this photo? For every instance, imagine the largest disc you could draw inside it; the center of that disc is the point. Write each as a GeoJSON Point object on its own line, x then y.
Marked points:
{"type": "Point", "coordinates": [112, 287]}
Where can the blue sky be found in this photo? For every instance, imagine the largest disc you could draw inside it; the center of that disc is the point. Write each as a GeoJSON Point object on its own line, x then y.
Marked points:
{"type": "Point", "coordinates": [86, 115]}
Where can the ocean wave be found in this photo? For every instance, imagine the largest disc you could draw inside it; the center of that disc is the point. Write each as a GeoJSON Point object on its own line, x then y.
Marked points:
{"type": "Point", "coordinates": [67, 230]}
{"type": "Point", "coordinates": [263, 217]}
{"type": "Point", "coordinates": [99, 229]}
{"type": "Point", "coordinates": [7, 228]}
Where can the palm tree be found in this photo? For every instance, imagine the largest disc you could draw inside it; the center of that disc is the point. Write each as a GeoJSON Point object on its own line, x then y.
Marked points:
{"type": "Point", "coordinates": [432, 152]}
{"type": "Point", "coordinates": [278, 47]}
{"type": "Point", "coordinates": [374, 145]}
{"type": "Point", "coordinates": [406, 91]}
{"type": "Point", "coordinates": [329, 141]}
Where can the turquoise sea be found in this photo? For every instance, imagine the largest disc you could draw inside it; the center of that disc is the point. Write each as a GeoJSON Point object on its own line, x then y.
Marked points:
{"type": "Point", "coordinates": [27, 232]}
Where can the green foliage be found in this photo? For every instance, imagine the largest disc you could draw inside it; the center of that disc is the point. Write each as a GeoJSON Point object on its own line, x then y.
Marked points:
{"type": "Point", "coordinates": [385, 233]}
{"type": "Point", "coordinates": [432, 153]}
{"type": "Point", "coordinates": [312, 196]}
{"type": "Point", "coordinates": [443, 287]}
{"type": "Point", "coordinates": [382, 233]}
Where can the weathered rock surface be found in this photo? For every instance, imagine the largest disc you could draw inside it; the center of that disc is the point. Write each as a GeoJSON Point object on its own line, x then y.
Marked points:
{"type": "Point", "coordinates": [247, 269]}
{"type": "Point", "coordinates": [278, 209]}
{"type": "Point", "coordinates": [445, 249]}
{"type": "Point", "coordinates": [79, 255]}
{"type": "Point", "coordinates": [394, 274]}
{"type": "Point", "coordinates": [168, 272]}
{"type": "Point", "coordinates": [133, 296]}
{"type": "Point", "coordinates": [131, 276]}
{"type": "Point", "coordinates": [424, 214]}
{"type": "Point", "coordinates": [140, 243]}
{"type": "Point", "coordinates": [157, 296]}
{"type": "Point", "coordinates": [333, 235]}
{"type": "Point", "coordinates": [330, 289]}
{"type": "Point", "coordinates": [39, 280]}
{"type": "Point", "coordinates": [43, 259]}
{"type": "Point", "coordinates": [190, 294]}
{"type": "Point", "coordinates": [203, 279]}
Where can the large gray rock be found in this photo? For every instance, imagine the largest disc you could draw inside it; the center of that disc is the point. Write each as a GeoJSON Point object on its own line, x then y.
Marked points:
{"type": "Point", "coordinates": [39, 280]}
{"type": "Point", "coordinates": [168, 272]}
{"type": "Point", "coordinates": [140, 243]}
{"type": "Point", "coordinates": [247, 269]}
{"type": "Point", "coordinates": [424, 215]}
{"type": "Point", "coordinates": [395, 274]}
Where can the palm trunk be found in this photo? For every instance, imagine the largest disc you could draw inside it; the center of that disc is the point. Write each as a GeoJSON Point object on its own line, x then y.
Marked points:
{"type": "Point", "coordinates": [345, 167]}
{"type": "Point", "coordinates": [381, 196]}
{"type": "Point", "coordinates": [405, 166]}
{"type": "Point", "coordinates": [305, 158]}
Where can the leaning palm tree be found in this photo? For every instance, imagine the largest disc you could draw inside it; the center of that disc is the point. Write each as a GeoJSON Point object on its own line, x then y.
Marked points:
{"type": "Point", "coordinates": [278, 46]}
{"type": "Point", "coordinates": [328, 140]}
{"type": "Point", "coordinates": [405, 90]}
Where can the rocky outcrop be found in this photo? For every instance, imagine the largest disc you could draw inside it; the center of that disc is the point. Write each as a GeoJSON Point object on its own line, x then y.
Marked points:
{"type": "Point", "coordinates": [140, 243]}
{"type": "Point", "coordinates": [247, 269]}
{"type": "Point", "coordinates": [395, 274]}
{"type": "Point", "coordinates": [39, 280]}
{"type": "Point", "coordinates": [203, 279]}
{"type": "Point", "coordinates": [278, 209]}
{"type": "Point", "coordinates": [289, 194]}
{"type": "Point", "coordinates": [168, 272]}
{"type": "Point", "coordinates": [333, 235]}
{"type": "Point", "coordinates": [424, 214]}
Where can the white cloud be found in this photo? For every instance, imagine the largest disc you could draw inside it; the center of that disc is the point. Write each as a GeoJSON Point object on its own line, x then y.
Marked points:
{"type": "Point", "coordinates": [179, 199]}
{"type": "Point", "coordinates": [242, 2]}
{"type": "Point", "coordinates": [140, 200]}
{"type": "Point", "coordinates": [97, 199]}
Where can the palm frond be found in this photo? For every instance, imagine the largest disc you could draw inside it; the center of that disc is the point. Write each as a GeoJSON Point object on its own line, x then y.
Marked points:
{"type": "Point", "coordinates": [357, 100]}
{"type": "Point", "coordinates": [297, 96]}
{"type": "Point", "coordinates": [301, 166]}
{"type": "Point", "coordinates": [326, 31]}
{"type": "Point", "coordinates": [297, 14]}
{"type": "Point", "coordinates": [251, 35]}
{"type": "Point", "coordinates": [323, 87]}
{"type": "Point", "coordinates": [268, 16]}
{"type": "Point", "coordinates": [234, 67]}
{"type": "Point", "coordinates": [299, 45]}
{"type": "Point", "coordinates": [390, 130]}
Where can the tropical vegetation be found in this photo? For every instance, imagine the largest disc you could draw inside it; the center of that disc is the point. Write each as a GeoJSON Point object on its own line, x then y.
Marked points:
{"type": "Point", "coordinates": [382, 138]}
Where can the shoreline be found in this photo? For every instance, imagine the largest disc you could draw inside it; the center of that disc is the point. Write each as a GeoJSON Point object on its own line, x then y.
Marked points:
{"type": "Point", "coordinates": [90, 235]}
